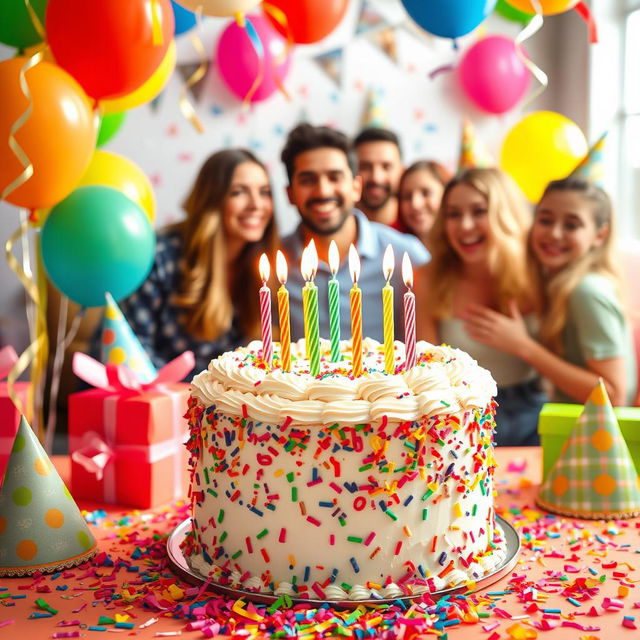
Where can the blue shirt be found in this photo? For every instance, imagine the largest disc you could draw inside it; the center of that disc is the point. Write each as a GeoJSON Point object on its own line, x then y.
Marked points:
{"type": "Point", "coordinates": [373, 239]}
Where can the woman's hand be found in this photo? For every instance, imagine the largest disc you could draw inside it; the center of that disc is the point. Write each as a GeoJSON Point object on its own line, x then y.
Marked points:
{"type": "Point", "coordinates": [507, 333]}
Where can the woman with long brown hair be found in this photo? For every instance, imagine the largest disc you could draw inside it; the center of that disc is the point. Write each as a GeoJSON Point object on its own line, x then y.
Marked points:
{"type": "Point", "coordinates": [196, 296]}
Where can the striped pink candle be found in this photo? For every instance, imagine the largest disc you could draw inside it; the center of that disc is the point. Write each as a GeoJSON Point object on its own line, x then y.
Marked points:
{"type": "Point", "coordinates": [409, 314]}
{"type": "Point", "coordinates": [265, 310]}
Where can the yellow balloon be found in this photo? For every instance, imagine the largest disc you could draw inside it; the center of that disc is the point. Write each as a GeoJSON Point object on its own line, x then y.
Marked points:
{"type": "Point", "coordinates": [548, 7]}
{"type": "Point", "coordinates": [149, 90]}
{"type": "Point", "coordinates": [112, 170]}
{"type": "Point", "coordinates": [543, 146]}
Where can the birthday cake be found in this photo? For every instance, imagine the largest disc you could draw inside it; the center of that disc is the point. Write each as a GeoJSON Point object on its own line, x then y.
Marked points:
{"type": "Point", "coordinates": [332, 487]}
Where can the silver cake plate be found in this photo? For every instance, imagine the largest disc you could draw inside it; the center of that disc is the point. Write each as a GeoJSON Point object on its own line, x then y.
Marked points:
{"type": "Point", "coordinates": [181, 568]}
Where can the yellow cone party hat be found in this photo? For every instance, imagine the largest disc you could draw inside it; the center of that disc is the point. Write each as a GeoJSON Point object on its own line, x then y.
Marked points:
{"type": "Point", "coordinates": [41, 528]}
{"type": "Point", "coordinates": [374, 115]}
{"type": "Point", "coordinates": [594, 476]}
{"type": "Point", "coordinates": [591, 167]}
{"type": "Point", "coordinates": [472, 153]}
{"type": "Point", "coordinates": [121, 346]}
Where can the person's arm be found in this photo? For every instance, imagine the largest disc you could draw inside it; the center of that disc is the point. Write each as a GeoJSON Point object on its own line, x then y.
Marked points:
{"type": "Point", "coordinates": [509, 333]}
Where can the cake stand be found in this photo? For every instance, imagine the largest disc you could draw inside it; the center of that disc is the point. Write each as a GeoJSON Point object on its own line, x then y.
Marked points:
{"type": "Point", "coordinates": [182, 569]}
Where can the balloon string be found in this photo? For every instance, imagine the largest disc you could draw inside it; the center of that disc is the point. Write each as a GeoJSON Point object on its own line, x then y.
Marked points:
{"type": "Point", "coordinates": [280, 17]}
{"type": "Point", "coordinates": [187, 109]}
{"type": "Point", "coordinates": [27, 171]}
{"type": "Point", "coordinates": [259, 49]}
{"type": "Point", "coordinates": [529, 30]}
{"type": "Point", "coordinates": [39, 368]}
{"type": "Point", "coordinates": [35, 20]}
{"type": "Point", "coordinates": [156, 25]}
{"type": "Point", "coordinates": [585, 13]}
{"type": "Point", "coordinates": [62, 344]}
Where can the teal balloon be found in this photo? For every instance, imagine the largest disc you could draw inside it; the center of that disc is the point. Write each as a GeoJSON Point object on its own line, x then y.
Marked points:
{"type": "Point", "coordinates": [110, 124]}
{"type": "Point", "coordinates": [16, 26]}
{"type": "Point", "coordinates": [511, 13]}
{"type": "Point", "coordinates": [96, 241]}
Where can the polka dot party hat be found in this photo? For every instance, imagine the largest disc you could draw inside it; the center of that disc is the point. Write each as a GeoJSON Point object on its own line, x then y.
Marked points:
{"type": "Point", "coordinates": [121, 346]}
{"type": "Point", "coordinates": [591, 167]}
{"type": "Point", "coordinates": [41, 528]}
{"type": "Point", "coordinates": [472, 153]}
{"type": "Point", "coordinates": [594, 476]}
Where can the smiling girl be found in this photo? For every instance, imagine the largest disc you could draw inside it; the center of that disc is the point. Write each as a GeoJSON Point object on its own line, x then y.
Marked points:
{"type": "Point", "coordinates": [478, 244]}
{"type": "Point", "coordinates": [584, 333]}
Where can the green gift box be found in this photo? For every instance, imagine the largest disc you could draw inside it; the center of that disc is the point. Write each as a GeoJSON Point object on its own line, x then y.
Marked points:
{"type": "Point", "coordinates": [557, 420]}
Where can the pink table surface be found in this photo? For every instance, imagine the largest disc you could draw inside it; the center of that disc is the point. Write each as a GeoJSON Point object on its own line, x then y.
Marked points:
{"type": "Point", "coordinates": [555, 560]}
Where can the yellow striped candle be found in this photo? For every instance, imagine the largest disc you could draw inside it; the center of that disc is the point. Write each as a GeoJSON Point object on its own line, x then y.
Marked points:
{"type": "Point", "coordinates": [387, 310]}
{"type": "Point", "coordinates": [283, 313]}
{"type": "Point", "coordinates": [355, 300]}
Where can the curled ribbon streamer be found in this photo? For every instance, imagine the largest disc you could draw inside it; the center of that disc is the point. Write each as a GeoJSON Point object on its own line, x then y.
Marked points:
{"type": "Point", "coordinates": [529, 30]}
{"type": "Point", "coordinates": [259, 49]}
{"type": "Point", "coordinates": [585, 13]}
{"type": "Point", "coordinates": [37, 25]}
{"type": "Point", "coordinates": [39, 367]}
{"type": "Point", "coordinates": [156, 26]}
{"type": "Point", "coordinates": [280, 17]}
{"type": "Point", "coordinates": [15, 127]}
{"type": "Point", "coordinates": [62, 343]}
{"type": "Point", "coordinates": [240, 19]}
{"type": "Point", "coordinates": [186, 107]}
{"type": "Point", "coordinates": [445, 68]}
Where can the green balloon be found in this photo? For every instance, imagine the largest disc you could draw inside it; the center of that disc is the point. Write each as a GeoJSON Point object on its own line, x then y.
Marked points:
{"type": "Point", "coordinates": [511, 13]}
{"type": "Point", "coordinates": [96, 241]}
{"type": "Point", "coordinates": [110, 123]}
{"type": "Point", "coordinates": [16, 27]}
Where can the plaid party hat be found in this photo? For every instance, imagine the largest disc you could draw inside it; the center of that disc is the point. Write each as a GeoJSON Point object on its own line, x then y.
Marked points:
{"type": "Point", "coordinates": [121, 346]}
{"type": "Point", "coordinates": [41, 527]}
{"type": "Point", "coordinates": [594, 476]}
{"type": "Point", "coordinates": [472, 153]}
{"type": "Point", "coordinates": [374, 115]}
{"type": "Point", "coordinates": [591, 167]}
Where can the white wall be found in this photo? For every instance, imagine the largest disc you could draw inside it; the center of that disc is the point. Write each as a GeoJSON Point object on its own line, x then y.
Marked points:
{"type": "Point", "coordinates": [426, 113]}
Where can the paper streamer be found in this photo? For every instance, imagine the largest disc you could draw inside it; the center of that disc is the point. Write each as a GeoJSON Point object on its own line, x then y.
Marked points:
{"type": "Point", "coordinates": [585, 13]}
{"type": "Point", "coordinates": [186, 108]}
{"type": "Point", "coordinates": [534, 25]}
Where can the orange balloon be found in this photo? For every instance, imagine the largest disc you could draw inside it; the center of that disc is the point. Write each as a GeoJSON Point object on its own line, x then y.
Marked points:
{"type": "Point", "coordinates": [549, 7]}
{"type": "Point", "coordinates": [58, 137]}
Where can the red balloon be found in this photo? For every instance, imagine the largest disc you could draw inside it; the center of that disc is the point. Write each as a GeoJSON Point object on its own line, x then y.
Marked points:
{"type": "Point", "coordinates": [108, 45]}
{"type": "Point", "coordinates": [308, 20]}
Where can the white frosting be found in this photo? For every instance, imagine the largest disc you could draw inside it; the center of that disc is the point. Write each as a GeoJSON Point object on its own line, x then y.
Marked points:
{"type": "Point", "coordinates": [337, 488]}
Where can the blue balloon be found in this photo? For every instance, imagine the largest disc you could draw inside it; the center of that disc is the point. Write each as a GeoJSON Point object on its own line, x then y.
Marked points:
{"type": "Point", "coordinates": [184, 19]}
{"type": "Point", "coordinates": [449, 18]}
{"type": "Point", "coordinates": [96, 241]}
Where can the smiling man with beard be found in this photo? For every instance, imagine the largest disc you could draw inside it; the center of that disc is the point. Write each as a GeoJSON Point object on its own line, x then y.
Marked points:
{"type": "Point", "coordinates": [323, 188]}
{"type": "Point", "coordinates": [379, 164]}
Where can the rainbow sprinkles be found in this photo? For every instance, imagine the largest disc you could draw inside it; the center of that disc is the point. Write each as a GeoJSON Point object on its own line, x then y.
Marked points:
{"type": "Point", "coordinates": [331, 487]}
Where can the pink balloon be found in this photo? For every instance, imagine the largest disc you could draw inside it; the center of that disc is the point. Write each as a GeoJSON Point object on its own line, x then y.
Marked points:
{"type": "Point", "coordinates": [492, 75]}
{"type": "Point", "coordinates": [239, 63]}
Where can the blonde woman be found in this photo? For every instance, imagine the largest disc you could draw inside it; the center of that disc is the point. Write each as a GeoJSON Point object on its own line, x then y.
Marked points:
{"type": "Point", "coordinates": [197, 294]}
{"type": "Point", "coordinates": [584, 332]}
{"type": "Point", "coordinates": [478, 244]}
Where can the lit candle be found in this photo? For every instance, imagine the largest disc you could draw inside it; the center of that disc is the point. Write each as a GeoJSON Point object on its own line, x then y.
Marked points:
{"type": "Point", "coordinates": [265, 310]}
{"type": "Point", "coordinates": [387, 309]}
{"type": "Point", "coordinates": [355, 300]}
{"type": "Point", "coordinates": [283, 313]}
{"type": "Point", "coordinates": [310, 291]}
{"type": "Point", "coordinates": [409, 314]}
{"type": "Point", "coordinates": [334, 302]}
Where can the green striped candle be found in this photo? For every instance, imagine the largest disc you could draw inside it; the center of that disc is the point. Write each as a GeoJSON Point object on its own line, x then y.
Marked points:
{"type": "Point", "coordinates": [310, 307]}
{"type": "Point", "coordinates": [334, 302]}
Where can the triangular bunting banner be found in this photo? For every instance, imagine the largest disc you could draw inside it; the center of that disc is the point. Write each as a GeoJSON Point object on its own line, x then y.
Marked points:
{"type": "Point", "coordinates": [594, 476]}
{"type": "Point", "coordinates": [186, 70]}
{"type": "Point", "coordinates": [385, 40]}
{"type": "Point", "coordinates": [331, 63]}
{"type": "Point", "coordinates": [369, 19]}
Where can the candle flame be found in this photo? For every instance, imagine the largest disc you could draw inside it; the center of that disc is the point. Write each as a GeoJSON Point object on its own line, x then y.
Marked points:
{"type": "Point", "coordinates": [388, 262]}
{"type": "Point", "coordinates": [306, 264]}
{"type": "Point", "coordinates": [281, 267]}
{"type": "Point", "coordinates": [334, 258]}
{"type": "Point", "coordinates": [264, 267]}
{"type": "Point", "coordinates": [354, 264]}
{"type": "Point", "coordinates": [313, 259]}
{"type": "Point", "coordinates": [407, 270]}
